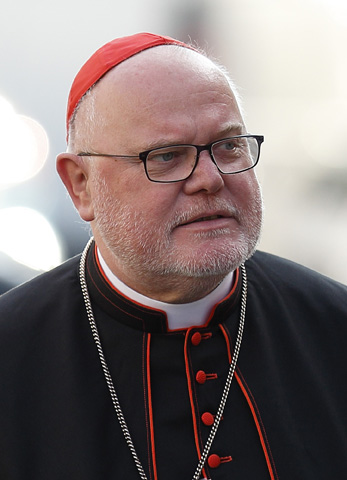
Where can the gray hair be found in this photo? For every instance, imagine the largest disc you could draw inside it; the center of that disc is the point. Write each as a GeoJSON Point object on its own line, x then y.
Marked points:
{"type": "Point", "coordinates": [86, 104]}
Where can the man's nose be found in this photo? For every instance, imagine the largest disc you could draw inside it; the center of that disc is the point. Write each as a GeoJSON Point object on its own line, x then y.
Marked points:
{"type": "Point", "coordinates": [206, 176]}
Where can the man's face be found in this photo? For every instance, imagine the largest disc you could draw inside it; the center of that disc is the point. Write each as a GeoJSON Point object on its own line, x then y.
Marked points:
{"type": "Point", "coordinates": [204, 226]}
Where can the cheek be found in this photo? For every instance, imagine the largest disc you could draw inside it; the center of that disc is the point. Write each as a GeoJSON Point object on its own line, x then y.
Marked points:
{"type": "Point", "coordinates": [156, 201]}
{"type": "Point", "coordinates": [244, 188]}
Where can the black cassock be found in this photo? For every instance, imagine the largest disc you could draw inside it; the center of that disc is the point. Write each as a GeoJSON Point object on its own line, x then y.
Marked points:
{"type": "Point", "coordinates": [285, 416]}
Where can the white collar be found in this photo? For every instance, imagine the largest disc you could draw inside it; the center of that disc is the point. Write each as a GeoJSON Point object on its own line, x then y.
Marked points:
{"type": "Point", "coordinates": [179, 316]}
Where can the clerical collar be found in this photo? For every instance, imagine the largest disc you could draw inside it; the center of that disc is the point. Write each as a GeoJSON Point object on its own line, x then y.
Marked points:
{"type": "Point", "coordinates": [178, 315]}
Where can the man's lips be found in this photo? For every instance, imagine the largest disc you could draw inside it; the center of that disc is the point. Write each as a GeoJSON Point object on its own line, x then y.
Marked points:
{"type": "Point", "coordinates": [208, 214]}
{"type": "Point", "coordinates": [205, 218]}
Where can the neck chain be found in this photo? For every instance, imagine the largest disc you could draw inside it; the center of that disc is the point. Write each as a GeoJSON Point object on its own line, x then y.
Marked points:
{"type": "Point", "coordinates": [108, 378]}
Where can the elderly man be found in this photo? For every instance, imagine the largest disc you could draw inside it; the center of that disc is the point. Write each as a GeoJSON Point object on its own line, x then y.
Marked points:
{"type": "Point", "coordinates": [168, 350]}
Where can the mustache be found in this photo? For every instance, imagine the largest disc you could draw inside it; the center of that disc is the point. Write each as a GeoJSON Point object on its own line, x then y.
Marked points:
{"type": "Point", "coordinates": [202, 207]}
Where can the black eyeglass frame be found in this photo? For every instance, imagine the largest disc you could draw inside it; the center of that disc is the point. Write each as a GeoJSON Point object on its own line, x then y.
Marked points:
{"type": "Point", "coordinates": [199, 148]}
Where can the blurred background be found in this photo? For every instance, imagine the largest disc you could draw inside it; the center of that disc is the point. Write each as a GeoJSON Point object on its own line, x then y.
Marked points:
{"type": "Point", "coordinates": [288, 58]}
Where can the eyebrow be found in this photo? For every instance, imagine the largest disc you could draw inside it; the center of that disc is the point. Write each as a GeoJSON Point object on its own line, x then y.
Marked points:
{"type": "Point", "coordinates": [233, 128]}
{"type": "Point", "coordinates": [229, 129]}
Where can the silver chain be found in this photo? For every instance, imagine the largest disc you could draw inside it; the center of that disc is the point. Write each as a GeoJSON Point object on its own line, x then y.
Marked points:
{"type": "Point", "coordinates": [115, 401]}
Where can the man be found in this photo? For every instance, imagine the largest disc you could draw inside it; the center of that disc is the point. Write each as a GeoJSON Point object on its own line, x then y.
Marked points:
{"type": "Point", "coordinates": [121, 364]}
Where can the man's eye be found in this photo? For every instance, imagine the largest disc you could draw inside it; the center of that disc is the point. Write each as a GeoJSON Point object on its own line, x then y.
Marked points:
{"type": "Point", "coordinates": [229, 145]}
{"type": "Point", "coordinates": [166, 156]}
{"type": "Point", "coordinates": [235, 146]}
{"type": "Point", "coordinates": [226, 148]}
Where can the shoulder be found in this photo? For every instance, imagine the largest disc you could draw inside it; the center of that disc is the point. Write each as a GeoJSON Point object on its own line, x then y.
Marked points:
{"type": "Point", "coordinates": [269, 273]}
{"type": "Point", "coordinates": [45, 291]}
{"type": "Point", "coordinates": [269, 265]}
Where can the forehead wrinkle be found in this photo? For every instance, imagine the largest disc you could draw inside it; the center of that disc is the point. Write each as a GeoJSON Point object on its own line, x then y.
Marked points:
{"type": "Point", "coordinates": [229, 129]}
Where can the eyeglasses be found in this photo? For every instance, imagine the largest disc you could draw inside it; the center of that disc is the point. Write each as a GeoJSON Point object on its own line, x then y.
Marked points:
{"type": "Point", "coordinates": [175, 163]}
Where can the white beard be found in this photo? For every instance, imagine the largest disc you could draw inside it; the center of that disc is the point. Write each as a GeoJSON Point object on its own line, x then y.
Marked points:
{"type": "Point", "coordinates": [150, 251]}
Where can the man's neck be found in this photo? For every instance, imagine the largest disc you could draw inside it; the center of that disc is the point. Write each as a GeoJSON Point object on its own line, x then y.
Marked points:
{"type": "Point", "coordinates": [170, 288]}
{"type": "Point", "coordinates": [179, 316]}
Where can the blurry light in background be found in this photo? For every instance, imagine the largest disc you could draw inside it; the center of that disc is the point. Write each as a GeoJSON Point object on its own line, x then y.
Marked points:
{"type": "Point", "coordinates": [29, 239]}
{"type": "Point", "coordinates": [23, 146]}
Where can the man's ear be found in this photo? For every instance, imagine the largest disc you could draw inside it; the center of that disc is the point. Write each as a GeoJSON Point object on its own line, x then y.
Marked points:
{"type": "Point", "coordinates": [74, 173]}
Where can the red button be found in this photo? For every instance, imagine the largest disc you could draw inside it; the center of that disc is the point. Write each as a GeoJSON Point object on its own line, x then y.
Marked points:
{"type": "Point", "coordinates": [196, 338]}
{"type": "Point", "coordinates": [214, 461]}
{"type": "Point", "coordinates": [207, 419]}
{"type": "Point", "coordinates": [201, 377]}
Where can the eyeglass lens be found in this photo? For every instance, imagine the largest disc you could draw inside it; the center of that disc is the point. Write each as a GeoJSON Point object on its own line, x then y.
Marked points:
{"type": "Point", "coordinates": [177, 162]}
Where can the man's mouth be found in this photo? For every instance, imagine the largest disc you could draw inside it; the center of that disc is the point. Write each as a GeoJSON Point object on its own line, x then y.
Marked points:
{"type": "Point", "coordinates": [205, 219]}
{"type": "Point", "coordinates": [219, 215]}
